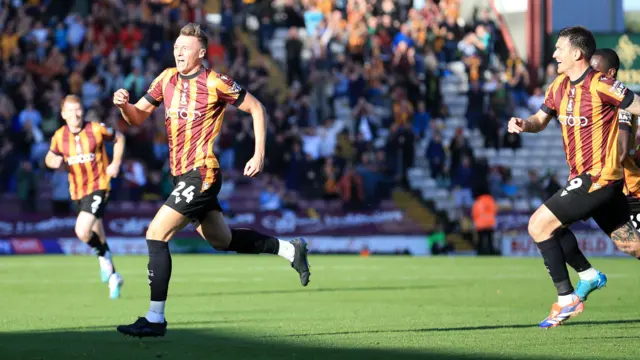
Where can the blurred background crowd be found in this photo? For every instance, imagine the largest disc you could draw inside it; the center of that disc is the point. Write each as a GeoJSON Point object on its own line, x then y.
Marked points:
{"type": "Point", "coordinates": [351, 87]}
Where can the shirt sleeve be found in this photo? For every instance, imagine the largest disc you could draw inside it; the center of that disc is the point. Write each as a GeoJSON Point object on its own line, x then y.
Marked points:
{"type": "Point", "coordinates": [55, 144]}
{"type": "Point", "coordinates": [108, 133]}
{"type": "Point", "coordinates": [613, 92]}
{"type": "Point", "coordinates": [229, 91]}
{"type": "Point", "coordinates": [155, 94]}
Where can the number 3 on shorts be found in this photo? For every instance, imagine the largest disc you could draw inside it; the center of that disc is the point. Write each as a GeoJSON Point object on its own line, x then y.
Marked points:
{"type": "Point", "coordinates": [187, 193]}
{"type": "Point", "coordinates": [97, 200]}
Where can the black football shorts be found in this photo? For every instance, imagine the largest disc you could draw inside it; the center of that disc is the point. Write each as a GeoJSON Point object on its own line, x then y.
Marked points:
{"type": "Point", "coordinates": [634, 209]}
{"type": "Point", "coordinates": [94, 203]}
{"type": "Point", "coordinates": [580, 199]}
{"type": "Point", "coordinates": [195, 193]}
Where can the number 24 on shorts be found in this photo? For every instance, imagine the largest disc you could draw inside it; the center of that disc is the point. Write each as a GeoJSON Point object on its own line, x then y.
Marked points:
{"type": "Point", "coordinates": [187, 193]}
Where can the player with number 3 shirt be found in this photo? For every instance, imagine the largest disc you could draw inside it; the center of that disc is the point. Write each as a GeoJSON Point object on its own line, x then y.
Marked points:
{"type": "Point", "coordinates": [80, 146]}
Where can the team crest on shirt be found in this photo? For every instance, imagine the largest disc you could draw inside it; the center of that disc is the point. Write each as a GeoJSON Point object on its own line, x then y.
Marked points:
{"type": "Point", "coordinates": [570, 106]}
{"type": "Point", "coordinates": [572, 95]}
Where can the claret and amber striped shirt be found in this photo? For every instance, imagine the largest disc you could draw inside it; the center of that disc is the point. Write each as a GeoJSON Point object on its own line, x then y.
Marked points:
{"type": "Point", "coordinates": [629, 123]}
{"type": "Point", "coordinates": [85, 156]}
{"type": "Point", "coordinates": [587, 110]}
{"type": "Point", "coordinates": [194, 109]}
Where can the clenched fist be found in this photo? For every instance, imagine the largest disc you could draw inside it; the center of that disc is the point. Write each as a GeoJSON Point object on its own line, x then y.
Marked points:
{"type": "Point", "coordinates": [56, 161]}
{"type": "Point", "coordinates": [516, 125]}
{"type": "Point", "coordinates": [254, 166]}
{"type": "Point", "coordinates": [113, 170]}
{"type": "Point", "coordinates": [121, 98]}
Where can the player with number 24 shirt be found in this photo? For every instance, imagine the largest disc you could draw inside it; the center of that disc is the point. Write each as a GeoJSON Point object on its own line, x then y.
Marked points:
{"type": "Point", "coordinates": [80, 146]}
{"type": "Point", "coordinates": [195, 99]}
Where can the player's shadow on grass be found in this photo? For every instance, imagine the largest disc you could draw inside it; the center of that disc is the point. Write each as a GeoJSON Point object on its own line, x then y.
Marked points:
{"type": "Point", "coordinates": [192, 345]}
{"type": "Point", "coordinates": [461, 328]}
{"type": "Point", "coordinates": [312, 289]}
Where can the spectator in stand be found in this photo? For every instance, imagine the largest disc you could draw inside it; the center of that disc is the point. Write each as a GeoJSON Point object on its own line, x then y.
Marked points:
{"type": "Point", "coordinates": [499, 100]}
{"type": "Point", "coordinates": [135, 177]}
{"type": "Point", "coordinates": [371, 178]}
{"type": "Point", "coordinates": [61, 198]}
{"type": "Point", "coordinates": [401, 146]}
{"type": "Point", "coordinates": [534, 187]}
{"type": "Point", "coordinates": [373, 78]}
{"type": "Point", "coordinates": [512, 141]}
{"type": "Point", "coordinates": [436, 156]}
{"type": "Point", "coordinates": [294, 57]}
{"type": "Point", "coordinates": [461, 183]}
{"type": "Point", "coordinates": [550, 74]}
{"type": "Point", "coordinates": [351, 190]}
{"type": "Point", "coordinates": [517, 79]}
{"type": "Point", "coordinates": [536, 100]}
{"type": "Point", "coordinates": [552, 186]}
{"type": "Point", "coordinates": [27, 185]}
{"type": "Point", "coordinates": [475, 105]}
{"type": "Point", "coordinates": [421, 120]}
{"type": "Point", "coordinates": [270, 198]}
{"type": "Point", "coordinates": [458, 148]}
{"type": "Point", "coordinates": [490, 128]}
{"type": "Point", "coordinates": [30, 115]}
{"type": "Point", "coordinates": [509, 188]}
{"type": "Point", "coordinates": [330, 178]}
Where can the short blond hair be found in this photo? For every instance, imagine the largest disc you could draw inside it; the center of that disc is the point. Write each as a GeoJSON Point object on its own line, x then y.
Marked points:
{"type": "Point", "coordinates": [192, 29]}
{"type": "Point", "coordinates": [70, 99]}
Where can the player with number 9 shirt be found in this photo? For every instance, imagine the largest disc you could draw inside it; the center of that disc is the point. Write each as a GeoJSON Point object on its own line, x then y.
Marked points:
{"type": "Point", "coordinates": [195, 99]}
{"type": "Point", "coordinates": [586, 103]}
{"type": "Point", "coordinates": [80, 146]}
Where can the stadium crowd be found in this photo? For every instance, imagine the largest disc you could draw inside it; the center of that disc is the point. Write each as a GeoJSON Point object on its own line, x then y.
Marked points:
{"type": "Point", "coordinates": [382, 61]}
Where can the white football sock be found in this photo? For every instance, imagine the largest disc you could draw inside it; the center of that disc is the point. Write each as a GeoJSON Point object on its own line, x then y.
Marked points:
{"type": "Point", "coordinates": [105, 262]}
{"type": "Point", "coordinates": [564, 300]}
{"type": "Point", "coordinates": [286, 250]}
{"type": "Point", "coordinates": [588, 275]}
{"type": "Point", "coordinates": [156, 312]}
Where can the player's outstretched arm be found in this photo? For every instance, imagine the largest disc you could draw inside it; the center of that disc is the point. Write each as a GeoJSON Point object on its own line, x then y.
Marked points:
{"type": "Point", "coordinates": [132, 114]}
{"type": "Point", "coordinates": [533, 124]}
{"type": "Point", "coordinates": [537, 122]}
{"type": "Point", "coordinates": [53, 161]}
{"type": "Point", "coordinates": [254, 107]}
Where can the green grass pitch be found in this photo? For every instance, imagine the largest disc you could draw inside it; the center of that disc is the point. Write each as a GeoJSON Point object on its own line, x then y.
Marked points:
{"type": "Point", "coordinates": [242, 307]}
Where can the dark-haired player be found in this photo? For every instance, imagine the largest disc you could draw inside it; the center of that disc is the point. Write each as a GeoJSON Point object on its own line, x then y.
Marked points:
{"type": "Point", "coordinates": [586, 104]}
{"type": "Point", "coordinates": [195, 99]}
{"type": "Point", "coordinates": [607, 62]}
{"type": "Point", "coordinates": [80, 146]}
